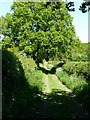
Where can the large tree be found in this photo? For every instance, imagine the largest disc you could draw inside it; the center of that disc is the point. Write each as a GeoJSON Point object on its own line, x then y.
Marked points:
{"type": "Point", "coordinates": [43, 30]}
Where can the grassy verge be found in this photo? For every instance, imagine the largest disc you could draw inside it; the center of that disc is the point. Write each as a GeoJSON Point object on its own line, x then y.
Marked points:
{"type": "Point", "coordinates": [77, 84]}
{"type": "Point", "coordinates": [80, 68]}
{"type": "Point", "coordinates": [34, 77]}
{"type": "Point", "coordinates": [72, 81]}
{"type": "Point", "coordinates": [60, 106]}
{"type": "Point", "coordinates": [21, 86]}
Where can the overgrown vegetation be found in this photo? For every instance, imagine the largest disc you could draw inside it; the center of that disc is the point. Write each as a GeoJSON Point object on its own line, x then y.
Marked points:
{"type": "Point", "coordinates": [77, 84]}
{"type": "Point", "coordinates": [81, 53]}
{"type": "Point", "coordinates": [21, 84]}
{"type": "Point", "coordinates": [40, 40]}
{"type": "Point", "coordinates": [80, 68]}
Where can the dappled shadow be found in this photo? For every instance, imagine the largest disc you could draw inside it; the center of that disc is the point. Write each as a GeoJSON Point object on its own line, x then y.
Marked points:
{"type": "Point", "coordinates": [22, 101]}
{"type": "Point", "coordinates": [19, 98]}
{"type": "Point", "coordinates": [57, 106]}
{"type": "Point", "coordinates": [84, 98]}
{"type": "Point", "coordinates": [60, 106]}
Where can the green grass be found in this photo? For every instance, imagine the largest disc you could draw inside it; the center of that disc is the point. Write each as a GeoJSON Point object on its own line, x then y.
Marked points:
{"type": "Point", "coordinates": [21, 86]}
{"type": "Point", "coordinates": [60, 106]}
{"type": "Point", "coordinates": [54, 83]}
{"type": "Point", "coordinates": [34, 77]}
{"type": "Point", "coordinates": [49, 66]}
{"type": "Point", "coordinates": [78, 85]}
{"type": "Point", "coordinates": [74, 82]}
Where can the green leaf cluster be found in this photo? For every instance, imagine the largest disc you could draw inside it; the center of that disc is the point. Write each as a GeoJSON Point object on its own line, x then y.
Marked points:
{"type": "Point", "coordinates": [81, 53]}
{"type": "Point", "coordinates": [42, 30]}
{"type": "Point", "coordinates": [80, 68]}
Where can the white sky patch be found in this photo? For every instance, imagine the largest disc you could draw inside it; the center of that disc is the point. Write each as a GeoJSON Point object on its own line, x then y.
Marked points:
{"type": "Point", "coordinates": [1, 37]}
{"type": "Point", "coordinates": [45, 0]}
{"type": "Point", "coordinates": [6, 0]}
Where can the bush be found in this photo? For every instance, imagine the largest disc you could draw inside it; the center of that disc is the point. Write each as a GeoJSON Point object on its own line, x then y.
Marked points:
{"type": "Point", "coordinates": [72, 81]}
{"type": "Point", "coordinates": [80, 53]}
{"type": "Point", "coordinates": [80, 68]}
{"type": "Point", "coordinates": [21, 85]}
{"type": "Point", "coordinates": [33, 76]}
{"type": "Point", "coordinates": [78, 85]}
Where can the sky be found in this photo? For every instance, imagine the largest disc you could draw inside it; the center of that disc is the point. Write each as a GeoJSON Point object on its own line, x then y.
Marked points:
{"type": "Point", "coordinates": [80, 20]}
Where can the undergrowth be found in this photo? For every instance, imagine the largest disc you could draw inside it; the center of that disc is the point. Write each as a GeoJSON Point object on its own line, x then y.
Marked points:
{"type": "Point", "coordinates": [21, 86]}
{"type": "Point", "coordinates": [77, 84]}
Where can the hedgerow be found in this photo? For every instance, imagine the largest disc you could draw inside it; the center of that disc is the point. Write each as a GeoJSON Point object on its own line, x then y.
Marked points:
{"type": "Point", "coordinates": [78, 85]}
{"type": "Point", "coordinates": [80, 68]}
{"type": "Point", "coordinates": [21, 85]}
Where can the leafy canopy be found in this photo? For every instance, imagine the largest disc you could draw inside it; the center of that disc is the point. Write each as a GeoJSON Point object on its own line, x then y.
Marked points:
{"type": "Point", "coordinates": [43, 30]}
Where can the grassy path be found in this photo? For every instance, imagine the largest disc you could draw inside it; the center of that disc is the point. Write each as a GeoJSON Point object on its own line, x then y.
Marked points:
{"type": "Point", "coordinates": [51, 82]}
{"type": "Point", "coordinates": [56, 84]}
{"type": "Point", "coordinates": [58, 104]}
{"type": "Point", "coordinates": [47, 86]}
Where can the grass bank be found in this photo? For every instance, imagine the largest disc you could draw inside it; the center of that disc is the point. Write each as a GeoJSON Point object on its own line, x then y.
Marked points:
{"type": "Point", "coordinates": [77, 84]}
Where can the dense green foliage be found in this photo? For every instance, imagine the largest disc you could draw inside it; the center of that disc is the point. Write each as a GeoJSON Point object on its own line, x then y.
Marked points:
{"type": "Point", "coordinates": [33, 76]}
{"type": "Point", "coordinates": [42, 30]}
{"type": "Point", "coordinates": [80, 68]}
{"type": "Point", "coordinates": [81, 53]}
{"type": "Point", "coordinates": [41, 33]}
{"type": "Point", "coordinates": [20, 86]}
{"type": "Point", "coordinates": [74, 82]}
{"type": "Point", "coordinates": [22, 89]}
{"type": "Point", "coordinates": [78, 85]}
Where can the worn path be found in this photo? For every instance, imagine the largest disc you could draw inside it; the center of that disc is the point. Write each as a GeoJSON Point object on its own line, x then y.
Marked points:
{"type": "Point", "coordinates": [46, 107]}
{"type": "Point", "coordinates": [47, 87]}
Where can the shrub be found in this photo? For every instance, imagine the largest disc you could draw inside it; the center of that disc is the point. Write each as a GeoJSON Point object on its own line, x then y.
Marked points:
{"type": "Point", "coordinates": [72, 81]}
{"type": "Point", "coordinates": [78, 85]}
{"type": "Point", "coordinates": [80, 68]}
{"type": "Point", "coordinates": [34, 77]}
{"type": "Point", "coordinates": [21, 84]}
{"type": "Point", "coordinates": [80, 53]}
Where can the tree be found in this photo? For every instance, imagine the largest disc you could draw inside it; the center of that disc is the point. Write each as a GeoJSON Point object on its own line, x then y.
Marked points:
{"type": "Point", "coordinates": [43, 30]}
{"type": "Point", "coordinates": [85, 6]}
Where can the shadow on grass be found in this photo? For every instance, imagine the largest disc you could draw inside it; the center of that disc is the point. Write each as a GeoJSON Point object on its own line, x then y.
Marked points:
{"type": "Point", "coordinates": [18, 97]}
{"type": "Point", "coordinates": [58, 106]}
{"type": "Point", "coordinates": [21, 101]}
{"type": "Point", "coordinates": [61, 106]}
{"type": "Point", "coordinates": [84, 98]}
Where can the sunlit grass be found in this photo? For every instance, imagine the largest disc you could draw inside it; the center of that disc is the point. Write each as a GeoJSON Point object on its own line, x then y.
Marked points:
{"type": "Point", "coordinates": [54, 83]}
{"type": "Point", "coordinates": [74, 82]}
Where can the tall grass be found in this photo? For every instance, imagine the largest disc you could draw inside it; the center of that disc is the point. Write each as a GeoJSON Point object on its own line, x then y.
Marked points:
{"type": "Point", "coordinates": [34, 77]}
{"type": "Point", "coordinates": [74, 82]}
{"type": "Point", "coordinates": [77, 84]}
